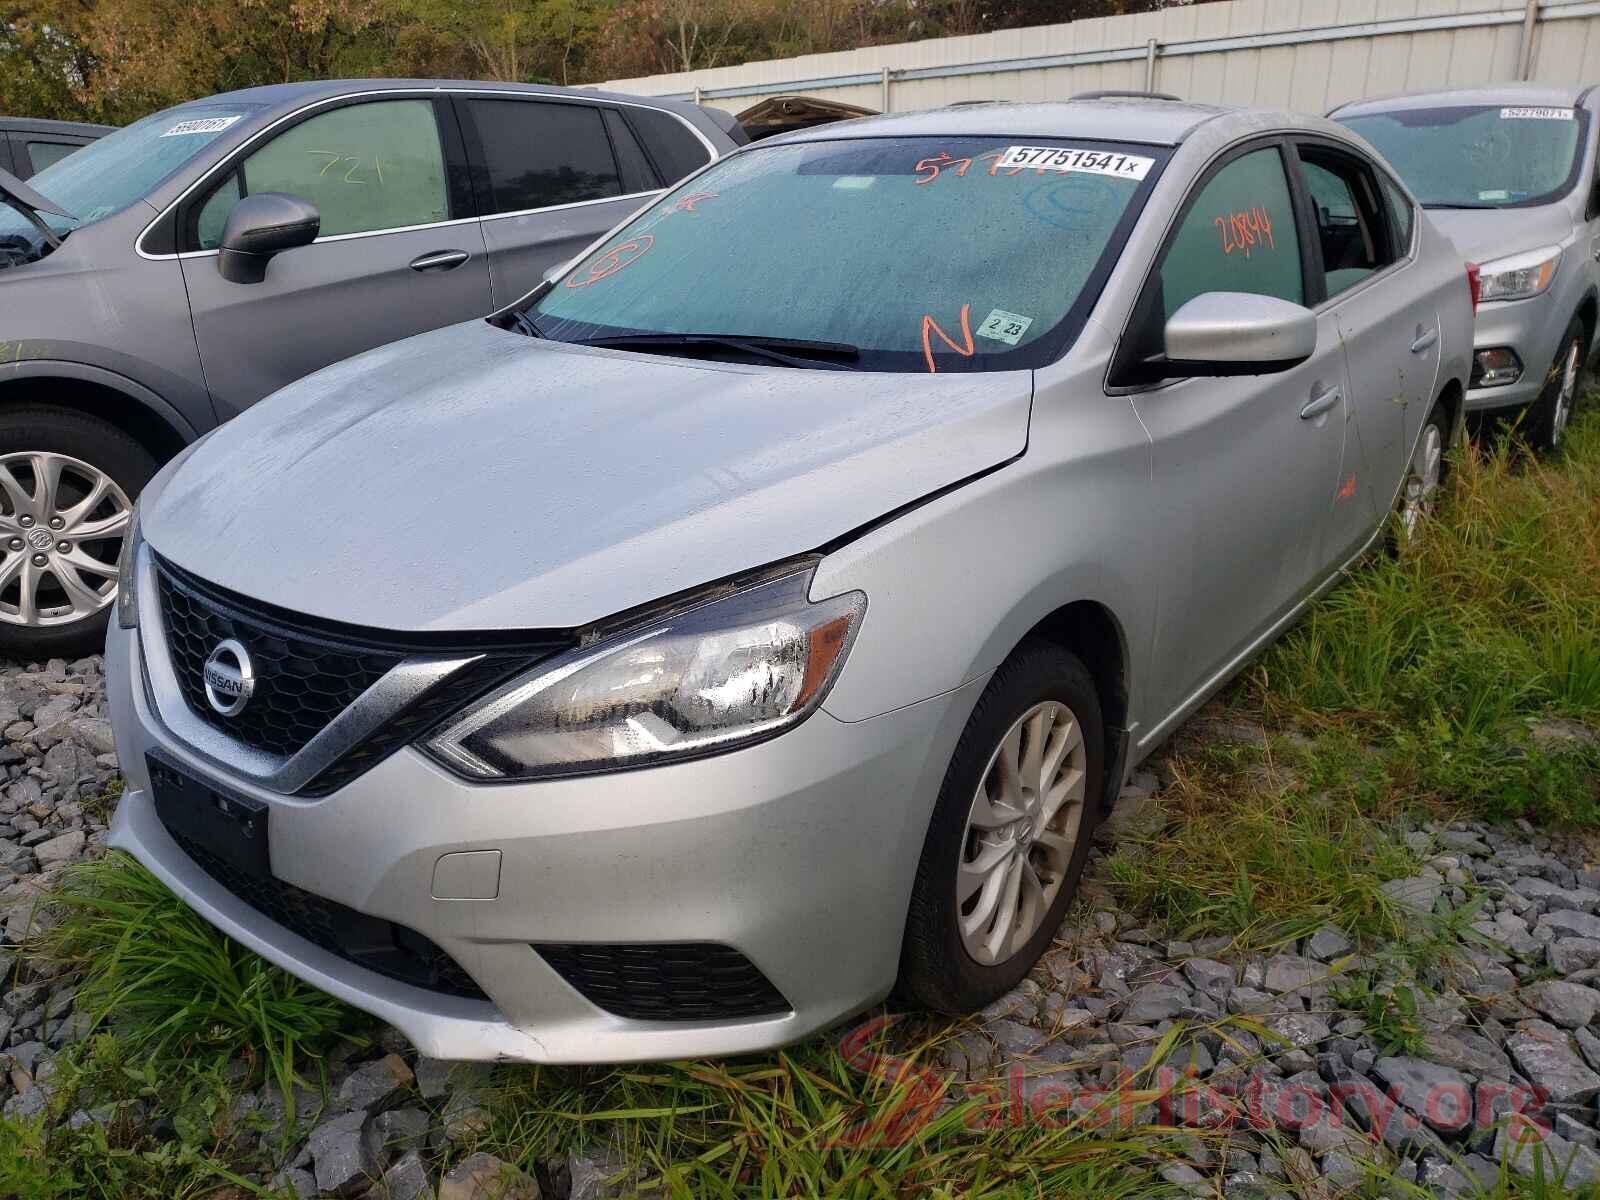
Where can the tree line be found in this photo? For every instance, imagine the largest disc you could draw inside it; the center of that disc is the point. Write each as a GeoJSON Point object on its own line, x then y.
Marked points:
{"type": "Point", "coordinates": [114, 60]}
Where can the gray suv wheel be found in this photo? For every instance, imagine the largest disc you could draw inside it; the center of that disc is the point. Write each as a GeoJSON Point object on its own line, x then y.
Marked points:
{"type": "Point", "coordinates": [67, 486]}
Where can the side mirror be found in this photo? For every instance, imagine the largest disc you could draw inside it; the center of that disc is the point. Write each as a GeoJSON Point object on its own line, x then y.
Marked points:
{"type": "Point", "coordinates": [259, 227]}
{"type": "Point", "coordinates": [1238, 333]}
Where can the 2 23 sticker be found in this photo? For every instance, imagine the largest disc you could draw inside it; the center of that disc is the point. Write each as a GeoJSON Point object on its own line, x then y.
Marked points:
{"type": "Point", "coordinates": [1003, 326]}
{"type": "Point", "coordinates": [1072, 159]}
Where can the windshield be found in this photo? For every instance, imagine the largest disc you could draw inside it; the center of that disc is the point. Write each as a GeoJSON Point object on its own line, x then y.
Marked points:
{"type": "Point", "coordinates": [121, 168]}
{"type": "Point", "coordinates": [924, 254]}
{"type": "Point", "coordinates": [1480, 155]}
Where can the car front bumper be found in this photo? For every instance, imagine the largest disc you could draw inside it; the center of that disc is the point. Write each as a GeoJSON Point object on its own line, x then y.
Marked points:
{"type": "Point", "coordinates": [1533, 329]}
{"type": "Point", "coordinates": [799, 852]}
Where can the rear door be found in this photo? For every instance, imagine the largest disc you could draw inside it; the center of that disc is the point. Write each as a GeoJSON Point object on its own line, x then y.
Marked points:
{"type": "Point", "coordinates": [1388, 325]}
{"type": "Point", "coordinates": [553, 175]}
{"type": "Point", "coordinates": [1245, 467]}
{"type": "Point", "coordinates": [400, 252]}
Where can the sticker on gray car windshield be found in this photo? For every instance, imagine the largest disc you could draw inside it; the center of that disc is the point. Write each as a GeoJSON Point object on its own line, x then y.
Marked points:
{"type": "Point", "coordinates": [1536, 114]}
{"type": "Point", "coordinates": [1003, 326]}
{"type": "Point", "coordinates": [1068, 158]}
{"type": "Point", "coordinates": [201, 125]}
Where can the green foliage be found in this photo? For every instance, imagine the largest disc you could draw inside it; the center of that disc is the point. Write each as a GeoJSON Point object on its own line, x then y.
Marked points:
{"type": "Point", "coordinates": [173, 984]}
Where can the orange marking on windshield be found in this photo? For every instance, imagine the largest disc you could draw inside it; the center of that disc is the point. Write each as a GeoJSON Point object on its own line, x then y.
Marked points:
{"type": "Point", "coordinates": [1348, 488]}
{"type": "Point", "coordinates": [929, 325]}
{"type": "Point", "coordinates": [1245, 230]}
{"type": "Point", "coordinates": [613, 260]}
{"type": "Point", "coordinates": [687, 203]}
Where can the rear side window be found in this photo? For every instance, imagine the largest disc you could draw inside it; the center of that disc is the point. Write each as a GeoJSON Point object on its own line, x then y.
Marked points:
{"type": "Point", "coordinates": [1351, 230]}
{"type": "Point", "coordinates": [676, 151]}
{"type": "Point", "coordinates": [1238, 236]}
{"type": "Point", "coordinates": [536, 154]}
{"type": "Point", "coordinates": [48, 154]}
{"type": "Point", "coordinates": [1402, 215]}
{"type": "Point", "coordinates": [366, 167]}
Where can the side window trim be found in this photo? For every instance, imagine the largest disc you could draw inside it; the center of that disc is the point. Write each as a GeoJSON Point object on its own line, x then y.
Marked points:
{"type": "Point", "coordinates": [1141, 311]}
{"type": "Point", "coordinates": [189, 207]}
{"type": "Point", "coordinates": [1305, 214]}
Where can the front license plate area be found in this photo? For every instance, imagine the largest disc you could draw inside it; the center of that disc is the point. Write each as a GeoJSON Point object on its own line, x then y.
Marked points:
{"type": "Point", "coordinates": [229, 826]}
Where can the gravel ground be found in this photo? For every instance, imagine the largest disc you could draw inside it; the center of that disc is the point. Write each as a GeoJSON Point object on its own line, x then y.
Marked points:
{"type": "Point", "coordinates": [1508, 1027]}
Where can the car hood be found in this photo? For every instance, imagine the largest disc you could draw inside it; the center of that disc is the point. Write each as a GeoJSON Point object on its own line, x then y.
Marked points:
{"type": "Point", "coordinates": [472, 479]}
{"type": "Point", "coordinates": [1483, 235]}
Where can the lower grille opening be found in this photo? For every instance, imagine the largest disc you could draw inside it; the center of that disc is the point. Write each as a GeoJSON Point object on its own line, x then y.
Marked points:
{"type": "Point", "coordinates": [676, 981]}
{"type": "Point", "coordinates": [389, 949]}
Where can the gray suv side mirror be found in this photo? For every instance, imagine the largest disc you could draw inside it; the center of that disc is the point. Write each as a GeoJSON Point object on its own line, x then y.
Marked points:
{"type": "Point", "coordinates": [259, 227]}
{"type": "Point", "coordinates": [1238, 333]}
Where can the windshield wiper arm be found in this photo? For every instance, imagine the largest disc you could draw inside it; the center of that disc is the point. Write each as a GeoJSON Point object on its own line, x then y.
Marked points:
{"type": "Point", "coordinates": [524, 323]}
{"type": "Point", "coordinates": [790, 352]}
{"type": "Point", "coordinates": [30, 204]}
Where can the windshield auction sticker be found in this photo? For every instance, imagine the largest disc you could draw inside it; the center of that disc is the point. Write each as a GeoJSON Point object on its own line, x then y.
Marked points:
{"type": "Point", "coordinates": [1536, 114]}
{"type": "Point", "coordinates": [202, 125]}
{"type": "Point", "coordinates": [1002, 326]}
{"type": "Point", "coordinates": [1067, 158]}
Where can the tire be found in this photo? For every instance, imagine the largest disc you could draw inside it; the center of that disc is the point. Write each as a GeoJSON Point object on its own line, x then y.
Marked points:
{"type": "Point", "coordinates": [1549, 414]}
{"type": "Point", "coordinates": [81, 451]}
{"type": "Point", "coordinates": [1425, 476]}
{"type": "Point", "coordinates": [939, 967]}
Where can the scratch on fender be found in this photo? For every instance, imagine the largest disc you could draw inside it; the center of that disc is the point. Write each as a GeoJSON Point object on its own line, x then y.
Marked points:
{"type": "Point", "coordinates": [930, 326]}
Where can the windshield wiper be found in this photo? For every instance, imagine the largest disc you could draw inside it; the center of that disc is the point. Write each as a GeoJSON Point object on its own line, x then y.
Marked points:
{"type": "Point", "coordinates": [1471, 207]}
{"type": "Point", "coordinates": [790, 352]}
{"type": "Point", "coordinates": [30, 204]}
{"type": "Point", "coordinates": [523, 322]}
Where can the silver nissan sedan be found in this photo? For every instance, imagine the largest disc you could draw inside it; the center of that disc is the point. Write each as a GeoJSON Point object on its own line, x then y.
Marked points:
{"type": "Point", "coordinates": [756, 618]}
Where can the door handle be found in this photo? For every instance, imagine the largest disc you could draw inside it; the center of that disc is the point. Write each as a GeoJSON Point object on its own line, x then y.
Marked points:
{"type": "Point", "coordinates": [1425, 342]}
{"type": "Point", "coordinates": [1319, 404]}
{"type": "Point", "coordinates": [440, 260]}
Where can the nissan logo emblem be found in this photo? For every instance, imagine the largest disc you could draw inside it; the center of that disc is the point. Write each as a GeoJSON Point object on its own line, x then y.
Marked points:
{"type": "Point", "coordinates": [230, 678]}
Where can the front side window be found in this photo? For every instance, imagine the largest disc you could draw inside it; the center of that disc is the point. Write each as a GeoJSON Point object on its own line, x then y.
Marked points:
{"type": "Point", "coordinates": [1237, 236]}
{"type": "Point", "coordinates": [1480, 155]}
{"type": "Point", "coordinates": [48, 154]}
{"type": "Point", "coordinates": [913, 254]}
{"type": "Point", "coordinates": [366, 167]}
{"type": "Point", "coordinates": [538, 154]}
{"type": "Point", "coordinates": [1350, 226]}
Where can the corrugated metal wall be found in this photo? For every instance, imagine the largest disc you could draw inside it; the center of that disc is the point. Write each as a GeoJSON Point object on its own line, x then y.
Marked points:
{"type": "Point", "coordinates": [1303, 54]}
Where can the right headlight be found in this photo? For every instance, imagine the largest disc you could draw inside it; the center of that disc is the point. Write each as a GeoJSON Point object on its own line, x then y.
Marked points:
{"type": "Point", "coordinates": [1518, 276]}
{"type": "Point", "coordinates": [722, 673]}
{"type": "Point", "coordinates": [127, 580]}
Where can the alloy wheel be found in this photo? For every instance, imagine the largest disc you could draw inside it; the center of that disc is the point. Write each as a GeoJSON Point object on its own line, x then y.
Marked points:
{"type": "Point", "coordinates": [1571, 370]}
{"type": "Point", "coordinates": [1022, 832]}
{"type": "Point", "coordinates": [62, 523]}
{"type": "Point", "coordinates": [1422, 481]}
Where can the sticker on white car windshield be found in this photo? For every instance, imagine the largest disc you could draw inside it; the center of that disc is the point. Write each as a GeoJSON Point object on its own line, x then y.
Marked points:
{"type": "Point", "coordinates": [1068, 158]}
{"type": "Point", "coordinates": [1003, 326]}
{"type": "Point", "coordinates": [201, 125]}
{"type": "Point", "coordinates": [1536, 114]}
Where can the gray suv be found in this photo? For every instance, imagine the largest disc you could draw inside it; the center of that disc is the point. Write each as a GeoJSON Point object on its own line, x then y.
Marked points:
{"type": "Point", "coordinates": [170, 275]}
{"type": "Point", "coordinates": [1509, 173]}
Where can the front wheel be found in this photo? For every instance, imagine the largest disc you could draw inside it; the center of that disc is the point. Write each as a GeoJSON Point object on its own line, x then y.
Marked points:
{"type": "Point", "coordinates": [67, 486]}
{"type": "Point", "coordinates": [1009, 834]}
{"type": "Point", "coordinates": [1551, 413]}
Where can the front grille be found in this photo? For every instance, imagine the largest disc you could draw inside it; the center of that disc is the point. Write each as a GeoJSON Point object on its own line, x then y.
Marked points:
{"type": "Point", "coordinates": [387, 948]}
{"type": "Point", "coordinates": [303, 681]}
{"type": "Point", "coordinates": [687, 981]}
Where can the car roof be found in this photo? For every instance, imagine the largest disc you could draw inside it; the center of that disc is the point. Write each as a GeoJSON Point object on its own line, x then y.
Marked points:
{"type": "Point", "coordinates": [1128, 119]}
{"type": "Point", "coordinates": [1533, 95]}
{"type": "Point", "coordinates": [275, 96]}
{"type": "Point", "coordinates": [39, 125]}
